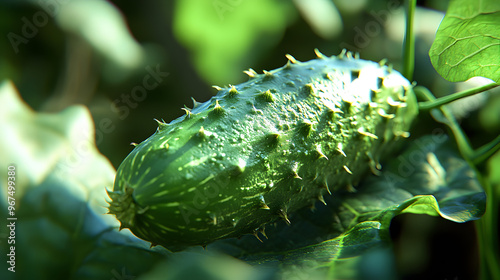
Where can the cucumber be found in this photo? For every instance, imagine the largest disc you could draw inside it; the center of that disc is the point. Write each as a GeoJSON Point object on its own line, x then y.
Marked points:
{"type": "Point", "coordinates": [260, 150]}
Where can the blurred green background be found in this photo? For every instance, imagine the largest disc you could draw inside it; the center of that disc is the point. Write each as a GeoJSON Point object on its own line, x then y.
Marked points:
{"type": "Point", "coordinates": [131, 62]}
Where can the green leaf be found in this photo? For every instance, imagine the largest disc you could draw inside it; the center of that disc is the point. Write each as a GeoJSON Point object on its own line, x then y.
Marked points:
{"type": "Point", "coordinates": [43, 145]}
{"type": "Point", "coordinates": [430, 178]}
{"type": "Point", "coordinates": [207, 266]}
{"type": "Point", "coordinates": [226, 36]}
{"type": "Point", "coordinates": [467, 42]}
{"type": "Point", "coordinates": [59, 236]}
{"type": "Point", "coordinates": [103, 27]}
{"type": "Point", "coordinates": [61, 231]}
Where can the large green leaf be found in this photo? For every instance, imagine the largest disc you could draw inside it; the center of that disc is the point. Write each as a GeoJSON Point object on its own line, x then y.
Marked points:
{"type": "Point", "coordinates": [206, 266]}
{"type": "Point", "coordinates": [43, 146]}
{"type": "Point", "coordinates": [61, 231]}
{"type": "Point", "coordinates": [59, 236]}
{"type": "Point", "coordinates": [467, 42]}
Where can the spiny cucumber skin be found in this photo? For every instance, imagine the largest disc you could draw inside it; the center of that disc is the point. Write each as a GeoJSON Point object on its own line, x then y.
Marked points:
{"type": "Point", "coordinates": [260, 150]}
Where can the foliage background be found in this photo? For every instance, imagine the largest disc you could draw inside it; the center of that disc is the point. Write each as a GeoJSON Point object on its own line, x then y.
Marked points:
{"type": "Point", "coordinates": [97, 53]}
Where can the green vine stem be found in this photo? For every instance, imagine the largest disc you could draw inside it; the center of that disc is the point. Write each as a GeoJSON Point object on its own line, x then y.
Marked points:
{"type": "Point", "coordinates": [431, 104]}
{"type": "Point", "coordinates": [462, 140]}
{"type": "Point", "coordinates": [409, 41]}
{"type": "Point", "coordinates": [487, 230]}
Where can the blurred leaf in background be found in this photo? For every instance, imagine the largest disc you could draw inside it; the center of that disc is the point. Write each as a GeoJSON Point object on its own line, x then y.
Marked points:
{"type": "Point", "coordinates": [323, 17]}
{"type": "Point", "coordinates": [61, 229]}
{"type": "Point", "coordinates": [92, 36]}
{"type": "Point", "coordinates": [102, 26]}
{"type": "Point", "coordinates": [47, 145]}
{"type": "Point", "coordinates": [225, 36]}
{"type": "Point", "coordinates": [61, 53]}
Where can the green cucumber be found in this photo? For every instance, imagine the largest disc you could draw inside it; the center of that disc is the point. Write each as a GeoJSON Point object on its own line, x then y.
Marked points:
{"type": "Point", "coordinates": [260, 150]}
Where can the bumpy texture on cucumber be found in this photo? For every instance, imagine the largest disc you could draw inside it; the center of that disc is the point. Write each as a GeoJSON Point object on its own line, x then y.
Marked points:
{"type": "Point", "coordinates": [260, 150]}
